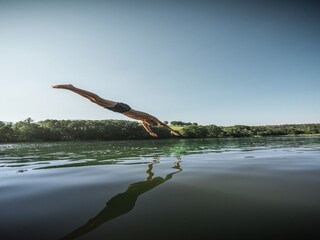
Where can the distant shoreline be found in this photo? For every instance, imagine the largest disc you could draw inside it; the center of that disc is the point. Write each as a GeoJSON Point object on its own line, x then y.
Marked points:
{"type": "Point", "coordinates": [88, 130]}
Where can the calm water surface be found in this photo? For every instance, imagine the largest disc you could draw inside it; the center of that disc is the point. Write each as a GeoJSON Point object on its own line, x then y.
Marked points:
{"type": "Point", "coordinates": [161, 189]}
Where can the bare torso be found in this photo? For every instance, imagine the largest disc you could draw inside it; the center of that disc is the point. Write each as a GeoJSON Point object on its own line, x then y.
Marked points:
{"type": "Point", "coordinates": [138, 115]}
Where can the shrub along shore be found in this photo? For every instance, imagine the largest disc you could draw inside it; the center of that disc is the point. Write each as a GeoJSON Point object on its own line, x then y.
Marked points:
{"type": "Point", "coordinates": [75, 130]}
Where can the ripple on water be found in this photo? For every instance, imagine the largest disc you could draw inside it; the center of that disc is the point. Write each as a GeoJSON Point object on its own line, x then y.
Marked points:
{"type": "Point", "coordinates": [199, 187]}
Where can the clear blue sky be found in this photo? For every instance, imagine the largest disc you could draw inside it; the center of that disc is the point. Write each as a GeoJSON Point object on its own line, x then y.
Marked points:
{"type": "Point", "coordinates": [211, 62]}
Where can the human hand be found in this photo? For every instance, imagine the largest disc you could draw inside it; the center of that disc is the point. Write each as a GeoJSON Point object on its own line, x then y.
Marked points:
{"type": "Point", "coordinates": [174, 133]}
{"type": "Point", "coordinates": [153, 135]}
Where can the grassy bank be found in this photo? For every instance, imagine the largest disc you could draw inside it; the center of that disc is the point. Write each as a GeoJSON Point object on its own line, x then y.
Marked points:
{"type": "Point", "coordinates": [176, 128]}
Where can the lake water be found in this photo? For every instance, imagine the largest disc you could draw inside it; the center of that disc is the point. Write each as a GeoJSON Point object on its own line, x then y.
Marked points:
{"type": "Point", "coordinates": [161, 189]}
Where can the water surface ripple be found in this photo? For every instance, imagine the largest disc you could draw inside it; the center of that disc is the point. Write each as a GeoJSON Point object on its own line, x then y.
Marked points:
{"type": "Point", "coordinates": [172, 189]}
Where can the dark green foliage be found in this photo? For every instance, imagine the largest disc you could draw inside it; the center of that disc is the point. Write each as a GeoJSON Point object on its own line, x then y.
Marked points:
{"type": "Point", "coordinates": [238, 131]}
{"type": "Point", "coordinates": [195, 131]}
{"type": "Point", "coordinates": [6, 132]}
{"type": "Point", "coordinates": [69, 130]}
{"type": "Point", "coordinates": [213, 131]}
{"type": "Point", "coordinates": [180, 123]}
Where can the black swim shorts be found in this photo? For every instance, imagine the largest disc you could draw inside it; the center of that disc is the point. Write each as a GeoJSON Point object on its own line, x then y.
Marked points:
{"type": "Point", "coordinates": [120, 108]}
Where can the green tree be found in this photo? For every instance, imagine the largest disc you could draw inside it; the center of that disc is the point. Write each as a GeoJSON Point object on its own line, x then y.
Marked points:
{"type": "Point", "coordinates": [195, 132]}
{"type": "Point", "coordinates": [214, 131]}
{"type": "Point", "coordinates": [6, 133]}
{"type": "Point", "coordinates": [27, 130]}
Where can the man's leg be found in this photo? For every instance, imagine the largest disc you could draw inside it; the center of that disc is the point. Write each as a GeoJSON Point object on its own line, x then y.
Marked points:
{"type": "Point", "coordinates": [89, 95]}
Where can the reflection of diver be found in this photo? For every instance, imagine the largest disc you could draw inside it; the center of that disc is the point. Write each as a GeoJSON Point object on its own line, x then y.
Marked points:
{"type": "Point", "coordinates": [123, 202]}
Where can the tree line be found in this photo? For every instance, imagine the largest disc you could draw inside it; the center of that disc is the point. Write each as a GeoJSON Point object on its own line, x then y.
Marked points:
{"type": "Point", "coordinates": [180, 123]}
{"type": "Point", "coordinates": [74, 130]}
{"type": "Point", "coordinates": [213, 131]}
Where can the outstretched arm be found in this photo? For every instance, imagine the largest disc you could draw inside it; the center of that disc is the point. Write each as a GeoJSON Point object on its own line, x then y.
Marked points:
{"type": "Point", "coordinates": [172, 132]}
{"type": "Point", "coordinates": [147, 128]}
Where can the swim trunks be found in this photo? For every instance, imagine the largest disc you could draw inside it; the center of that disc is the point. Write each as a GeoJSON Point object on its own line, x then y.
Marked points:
{"type": "Point", "coordinates": [120, 108]}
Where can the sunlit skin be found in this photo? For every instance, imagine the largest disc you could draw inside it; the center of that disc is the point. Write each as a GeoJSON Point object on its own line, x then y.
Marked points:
{"type": "Point", "coordinates": [145, 119]}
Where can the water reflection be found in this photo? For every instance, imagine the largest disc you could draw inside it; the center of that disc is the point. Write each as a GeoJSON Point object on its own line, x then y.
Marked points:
{"type": "Point", "coordinates": [123, 203]}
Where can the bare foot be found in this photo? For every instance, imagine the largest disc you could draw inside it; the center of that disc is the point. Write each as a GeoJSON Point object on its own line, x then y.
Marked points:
{"type": "Point", "coordinates": [63, 86]}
